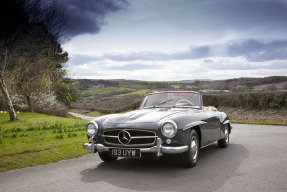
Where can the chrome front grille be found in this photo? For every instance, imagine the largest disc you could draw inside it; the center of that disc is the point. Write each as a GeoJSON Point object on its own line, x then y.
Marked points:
{"type": "Point", "coordinates": [129, 137]}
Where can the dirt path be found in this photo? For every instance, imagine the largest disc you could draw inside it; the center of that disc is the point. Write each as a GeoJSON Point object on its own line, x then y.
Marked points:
{"type": "Point", "coordinates": [81, 116]}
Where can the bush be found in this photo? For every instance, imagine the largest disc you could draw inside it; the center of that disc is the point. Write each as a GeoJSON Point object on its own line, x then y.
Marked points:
{"type": "Point", "coordinates": [262, 100]}
{"type": "Point", "coordinates": [278, 101]}
{"type": "Point", "coordinates": [44, 102]}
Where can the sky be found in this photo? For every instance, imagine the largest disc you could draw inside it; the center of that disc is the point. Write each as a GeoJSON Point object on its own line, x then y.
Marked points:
{"type": "Point", "coordinates": [173, 40]}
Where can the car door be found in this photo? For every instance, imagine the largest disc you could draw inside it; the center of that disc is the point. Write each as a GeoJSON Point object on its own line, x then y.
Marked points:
{"type": "Point", "coordinates": [213, 125]}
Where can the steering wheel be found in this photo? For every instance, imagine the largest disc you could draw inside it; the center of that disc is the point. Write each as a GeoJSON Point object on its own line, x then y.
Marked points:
{"type": "Point", "coordinates": [184, 102]}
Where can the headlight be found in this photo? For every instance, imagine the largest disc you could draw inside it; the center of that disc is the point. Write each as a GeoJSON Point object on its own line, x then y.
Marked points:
{"type": "Point", "coordinates": [169, 129]}
{"type": "Point", "coordinates": [92, 128]}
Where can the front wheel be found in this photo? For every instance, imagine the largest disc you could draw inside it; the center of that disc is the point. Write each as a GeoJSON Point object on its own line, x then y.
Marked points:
{"type": "Point", "coordinates": [106, 158]}
{"type": "Point", "coordinates": [223, 143]}
{"type": "Point", "coordinates": [189, 158]}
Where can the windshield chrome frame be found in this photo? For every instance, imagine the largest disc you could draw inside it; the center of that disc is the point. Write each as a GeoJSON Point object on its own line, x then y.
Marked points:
{"type": "Point", "coordinates": [194, 107]}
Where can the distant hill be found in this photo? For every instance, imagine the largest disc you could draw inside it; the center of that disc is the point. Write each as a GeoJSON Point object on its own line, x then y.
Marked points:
{"type": "Point", "coordinates": [98, 93]}
{"type": "Point", "coordinates": [239, 84]}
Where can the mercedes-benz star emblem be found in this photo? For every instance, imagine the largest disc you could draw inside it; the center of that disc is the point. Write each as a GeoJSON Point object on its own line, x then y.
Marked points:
{"type": "Point", "coordinates": [124, 137]}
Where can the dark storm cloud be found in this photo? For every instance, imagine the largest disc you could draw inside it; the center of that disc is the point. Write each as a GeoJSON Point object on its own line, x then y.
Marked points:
{"type": "Point", "coordinates": [242, 14]}
{"type": "Point", "coordinates": [87, 16]}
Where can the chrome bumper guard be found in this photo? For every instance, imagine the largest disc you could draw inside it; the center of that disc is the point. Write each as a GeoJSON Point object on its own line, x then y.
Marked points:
{"type": "Point", "coordinates": [158, 149]}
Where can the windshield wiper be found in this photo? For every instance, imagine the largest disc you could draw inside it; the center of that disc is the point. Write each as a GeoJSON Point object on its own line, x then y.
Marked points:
{"type": "Point", "coordinates": [154, 106]}
{"type": "Point", "coordinates": [187, 106]}
{"type": "Point", "coordinates": [165, 101]}
{"type": "Point", "coordinates": [158, 105]}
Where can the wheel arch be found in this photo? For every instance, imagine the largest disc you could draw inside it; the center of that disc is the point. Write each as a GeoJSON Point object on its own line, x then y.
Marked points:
{"type": "Point", "coordinates": [229, 127]}
{"type": "Point", "coordinates": [198, 131]}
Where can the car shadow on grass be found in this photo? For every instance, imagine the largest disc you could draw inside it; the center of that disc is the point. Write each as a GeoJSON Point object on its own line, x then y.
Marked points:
{"type": "Point", "coordinates": [215, 166]}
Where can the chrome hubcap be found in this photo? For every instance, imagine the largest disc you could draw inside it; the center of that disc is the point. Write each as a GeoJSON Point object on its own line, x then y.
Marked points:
{"type": "Point", "coordinates": [194, 148]}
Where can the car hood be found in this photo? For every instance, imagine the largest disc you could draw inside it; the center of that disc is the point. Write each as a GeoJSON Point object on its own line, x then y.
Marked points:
{"type": "Point", "coordinates": [142, 116]}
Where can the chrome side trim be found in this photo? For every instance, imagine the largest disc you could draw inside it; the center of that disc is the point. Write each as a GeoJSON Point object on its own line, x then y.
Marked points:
{"type": "Point", "coordinates": [210, 143]}
{"type": "Point", "coordinates": [196, 123]}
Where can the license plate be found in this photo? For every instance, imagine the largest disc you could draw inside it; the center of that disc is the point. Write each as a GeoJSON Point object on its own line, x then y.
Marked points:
{"type": "Point", "coordinates": [119, 152]}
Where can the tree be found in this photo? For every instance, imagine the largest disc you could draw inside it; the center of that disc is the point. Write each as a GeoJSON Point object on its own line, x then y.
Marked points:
{"type": "Point", "coordinates": [241, 88]}
{"type": "Point", "coordinates": [39, 59]}
{"type": "Point", "coordinates": [11, 26]}
{"type": "Point", "coordinates": [30, 35]}
{"type": "Point", "coordinates": [4, 88]}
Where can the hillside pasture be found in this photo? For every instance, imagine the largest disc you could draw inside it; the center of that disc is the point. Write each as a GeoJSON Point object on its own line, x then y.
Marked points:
{"type": "Point", "coordinates": [267, 86]}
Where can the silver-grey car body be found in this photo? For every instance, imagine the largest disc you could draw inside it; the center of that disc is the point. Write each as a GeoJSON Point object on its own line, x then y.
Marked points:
{"type": "Point", "coordinates": [173, 122]}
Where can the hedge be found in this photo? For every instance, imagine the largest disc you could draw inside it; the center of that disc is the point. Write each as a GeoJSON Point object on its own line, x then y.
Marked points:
{"type": "Point", "coordinates": [252, 100]}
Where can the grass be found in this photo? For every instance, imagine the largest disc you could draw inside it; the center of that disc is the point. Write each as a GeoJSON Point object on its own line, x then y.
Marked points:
{"type": "Point", "coordinates": [104, 90]}
{"type": "Point", "coordinates": [37, 139]}
{"type": "Point", "coordinates": [26, 119]}
{"type": "Point", "coordinates": [132, 84]}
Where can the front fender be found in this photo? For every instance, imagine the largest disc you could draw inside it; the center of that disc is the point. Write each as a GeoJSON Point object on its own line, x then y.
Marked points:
{"type": "Point", "coordinates": [224, 120]}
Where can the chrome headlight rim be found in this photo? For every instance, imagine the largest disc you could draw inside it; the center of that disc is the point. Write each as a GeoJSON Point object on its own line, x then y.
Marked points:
{"type": "Point", "coordinates": [171, 122]}
{"type": "Point", "coordinates": [96, 128]}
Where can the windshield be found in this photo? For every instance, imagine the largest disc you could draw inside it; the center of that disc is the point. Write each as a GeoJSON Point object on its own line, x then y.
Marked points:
{"type": "Point", "coordinates": [172, 99]}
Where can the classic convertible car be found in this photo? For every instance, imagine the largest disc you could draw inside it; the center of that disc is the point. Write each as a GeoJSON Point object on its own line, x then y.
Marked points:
{"type": "Point", "coordinates": [166, 123]}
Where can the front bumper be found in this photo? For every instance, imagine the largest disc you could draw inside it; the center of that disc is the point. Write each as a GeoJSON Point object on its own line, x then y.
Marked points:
{"type": "Point", "coordinates": [158, 149]}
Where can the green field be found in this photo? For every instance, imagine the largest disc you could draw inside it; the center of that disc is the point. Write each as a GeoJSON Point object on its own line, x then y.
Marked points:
{"type": "Point", "coordinates": [104, 90]}
{"type": "Point", "coordinates": [37, 139]}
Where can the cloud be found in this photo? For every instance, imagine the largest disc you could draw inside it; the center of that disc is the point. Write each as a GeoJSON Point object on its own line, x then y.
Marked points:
{"type": "Point", "coordinates": [86, 60]}
{"type": "Point", "coordinates": [87, 16]}
{"type": "Point", "coordinates": [252, 49]}
{"type": "Point", "coordinates": [255, 50]}
{"type": "Point", "coordinates": [134, 67]}
{"type": "Point", "coordinates": [219, 68]}
{"type": "Point", "coordinates": [166, 39]}
{"type": "Point", "coordinates": [240, 14]}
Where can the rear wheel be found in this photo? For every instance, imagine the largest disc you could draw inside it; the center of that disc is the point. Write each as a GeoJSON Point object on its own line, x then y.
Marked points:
{"type": "Point", "coordinates": [106, 158]}
{"type": "Point", "coordinates": [223, 143]}
{"type": "Point", "coordinates": [189, 158]}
